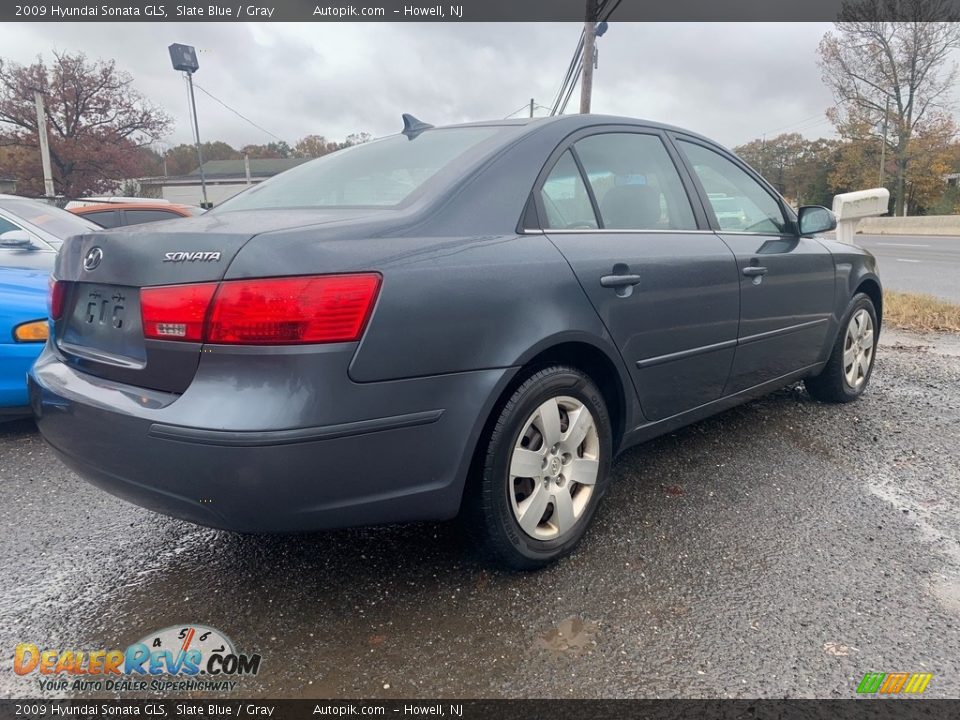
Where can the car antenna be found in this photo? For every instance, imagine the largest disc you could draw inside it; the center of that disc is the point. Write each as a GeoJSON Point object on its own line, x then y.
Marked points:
{"type": "Point", "coordinates": [412, 126]}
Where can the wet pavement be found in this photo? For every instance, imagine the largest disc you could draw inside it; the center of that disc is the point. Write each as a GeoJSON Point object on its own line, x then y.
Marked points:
{"type": "Point", "coordinates": [782, 549]}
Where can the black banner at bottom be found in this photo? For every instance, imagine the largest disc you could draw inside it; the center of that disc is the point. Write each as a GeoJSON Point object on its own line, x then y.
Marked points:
{"type": "Point", "coordinates": [855, 709]}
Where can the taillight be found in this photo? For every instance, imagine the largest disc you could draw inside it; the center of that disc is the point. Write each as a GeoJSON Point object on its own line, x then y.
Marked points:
{"type": "Point", "coordinates": [281, 311]}
{"type": "Point", "coordinates": [175, 312]}
{"type": "Point", "coordinates": [270, 311]}
{"type": "Point", "coordinates": [57, 288]}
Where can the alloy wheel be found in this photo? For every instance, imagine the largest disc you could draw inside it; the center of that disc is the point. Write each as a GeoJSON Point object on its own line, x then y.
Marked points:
{"type": "Point", "coordinates": [554, 468]}
{"type": "Point", "coordinates": [858, 349]}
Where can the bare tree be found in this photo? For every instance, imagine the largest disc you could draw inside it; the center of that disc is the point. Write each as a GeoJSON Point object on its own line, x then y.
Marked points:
{"type": "Point", "coordinates": [893, 76]}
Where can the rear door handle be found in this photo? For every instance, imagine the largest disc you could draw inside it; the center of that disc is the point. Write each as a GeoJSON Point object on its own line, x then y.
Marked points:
{"type": "Point", "coordinates": [619, 281]}
{"type": "Point", "coordinates": [754, 271]}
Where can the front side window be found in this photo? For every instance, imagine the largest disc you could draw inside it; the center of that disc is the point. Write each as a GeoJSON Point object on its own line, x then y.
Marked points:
{"type": "Point", "coordinates": [739, 202]}
{"type": "Point", "coordinates": [7, 226]}
{"type": "Point", "coordinates": [565, 197]}
{"type": "Point", "coordinates": [635, 183]}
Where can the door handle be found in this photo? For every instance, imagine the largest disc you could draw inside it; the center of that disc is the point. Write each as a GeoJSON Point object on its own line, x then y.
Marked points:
{"type": "Point", "coordinates": [619, 281]}
{"type": "Point", "coordinates": [754, 271]}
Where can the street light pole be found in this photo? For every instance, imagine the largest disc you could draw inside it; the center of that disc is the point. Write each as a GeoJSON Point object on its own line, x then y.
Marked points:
{"type": "Point", "coordinates": [196, 134]}
{"type": "Point", "coordinates": [184, 58]}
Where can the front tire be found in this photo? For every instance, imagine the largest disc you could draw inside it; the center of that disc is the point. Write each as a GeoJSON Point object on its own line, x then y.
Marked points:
{"type": "Point", "coordinates": [847, 372]}
{"type": "Point", "coordinates": [544, 469]}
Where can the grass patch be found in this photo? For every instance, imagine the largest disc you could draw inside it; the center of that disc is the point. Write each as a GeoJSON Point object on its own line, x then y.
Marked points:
{"type": "Point", "coordinates": [913, 311]}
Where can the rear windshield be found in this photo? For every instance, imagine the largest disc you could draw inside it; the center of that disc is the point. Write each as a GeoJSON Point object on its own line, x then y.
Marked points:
{"type": "Point", "coordinates": [59, 223]}
{"type": "Point", "coordinates": [382, 173]}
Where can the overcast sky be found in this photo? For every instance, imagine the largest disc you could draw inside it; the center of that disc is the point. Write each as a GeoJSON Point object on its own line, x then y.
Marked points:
{"type": "Point", "coordinates": [731, 82]}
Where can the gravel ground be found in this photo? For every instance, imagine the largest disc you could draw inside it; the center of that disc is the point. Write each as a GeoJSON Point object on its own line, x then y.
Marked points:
{"type": "Point", "coordinates": [781, 549]}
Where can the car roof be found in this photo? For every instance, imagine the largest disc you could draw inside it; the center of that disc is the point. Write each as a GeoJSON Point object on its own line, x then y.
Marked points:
{"type": "Point", "coordinates": [576, 122]}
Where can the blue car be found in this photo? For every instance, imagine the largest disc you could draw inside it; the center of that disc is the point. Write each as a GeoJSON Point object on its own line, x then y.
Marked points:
{"type": "Point", "coordinates": [31, 232]}
{"type": "Point", "coordinates": [23, 331]}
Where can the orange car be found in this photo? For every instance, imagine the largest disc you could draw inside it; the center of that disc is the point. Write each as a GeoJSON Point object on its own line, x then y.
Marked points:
{"type": "Point", "coordinates": [116, 214]}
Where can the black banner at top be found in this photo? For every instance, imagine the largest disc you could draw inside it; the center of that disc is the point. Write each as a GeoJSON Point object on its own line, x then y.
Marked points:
{"type": "Point", "coordinates": [474, 10]}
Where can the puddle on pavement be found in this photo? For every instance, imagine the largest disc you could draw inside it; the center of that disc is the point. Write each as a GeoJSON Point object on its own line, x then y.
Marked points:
{"type": "Point", "coordinates": [572, 636]}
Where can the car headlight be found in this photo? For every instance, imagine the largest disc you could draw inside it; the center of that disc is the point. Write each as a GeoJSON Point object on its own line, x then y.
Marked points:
{"type": "Point", "coordinates": [33, 331]}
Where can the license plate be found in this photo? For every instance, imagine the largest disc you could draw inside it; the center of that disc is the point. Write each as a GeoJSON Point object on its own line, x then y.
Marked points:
{"type": "Point", "coordinates": [104, 306]}
{"type": "Point", "coordinates": [106, 318]}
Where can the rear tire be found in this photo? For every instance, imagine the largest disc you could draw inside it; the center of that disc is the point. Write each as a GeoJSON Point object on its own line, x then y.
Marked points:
{"type": "Point", "coordinates": [544, 469]}
{"type": "Point", "coordinates": [847, 372]}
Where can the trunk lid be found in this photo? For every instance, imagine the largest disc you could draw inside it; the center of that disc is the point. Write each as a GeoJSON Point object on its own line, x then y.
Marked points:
{"type": "Point", "coordinates": [99, 331]}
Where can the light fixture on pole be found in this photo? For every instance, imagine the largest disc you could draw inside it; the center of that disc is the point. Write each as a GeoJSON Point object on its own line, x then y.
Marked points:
{"type": "Point", "coordinates": [184, 58]}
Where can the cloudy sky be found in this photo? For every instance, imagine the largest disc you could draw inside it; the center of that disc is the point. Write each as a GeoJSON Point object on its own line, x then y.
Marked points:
{"type": "Point", "coordinates": [732, 82]}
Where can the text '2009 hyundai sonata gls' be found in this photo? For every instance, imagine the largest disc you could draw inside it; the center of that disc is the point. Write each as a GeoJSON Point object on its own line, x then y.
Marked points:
{"type": "Point", "coordinates": [478, 317]}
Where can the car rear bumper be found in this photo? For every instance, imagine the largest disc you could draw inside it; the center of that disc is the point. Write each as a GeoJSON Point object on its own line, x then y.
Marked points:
{"type": "Point", "coordinates": [405, 463]}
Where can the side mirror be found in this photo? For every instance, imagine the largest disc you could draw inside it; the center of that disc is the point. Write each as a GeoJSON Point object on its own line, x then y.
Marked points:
{"type": "Point", "coordinates": [815, 219]}
{"type": "Point", "coordinates": [16, 239]}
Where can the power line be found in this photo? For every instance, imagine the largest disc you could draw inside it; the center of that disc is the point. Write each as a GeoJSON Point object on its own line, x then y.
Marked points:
{"type": "Point", "coordinates": [571, 68]}
{"type": "Point", "coordinates": [810, 126]}
{"type": "Point", "coordinates": [798, 122]}
{"type": "Point", "coordinates": [525, 106]}
{"type": "Point", "coordinates": [237, 113]}
{"type": "Point", "coordinates": [573, 85]}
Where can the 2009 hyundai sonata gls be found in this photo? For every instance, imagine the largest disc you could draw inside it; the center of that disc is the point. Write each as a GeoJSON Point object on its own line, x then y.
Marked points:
{"type": "Point", "coordinates": [478, 316]}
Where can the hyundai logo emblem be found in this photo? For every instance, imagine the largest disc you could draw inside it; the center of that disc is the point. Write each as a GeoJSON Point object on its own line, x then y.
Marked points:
{"type": "Point", "coordinates": [92, 259]}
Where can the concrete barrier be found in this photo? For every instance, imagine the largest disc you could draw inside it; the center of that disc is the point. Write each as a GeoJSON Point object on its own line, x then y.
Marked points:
{"type": "Point", "coordinates": [919, 225]}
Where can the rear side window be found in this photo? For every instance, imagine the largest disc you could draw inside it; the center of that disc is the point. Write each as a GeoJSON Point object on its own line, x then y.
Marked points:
{"type": "Point", "coordinates": [565, 197]}
{"type": "Point", "coordinates": [382, 173]}
{"type": "Point", "coordinates": [135, 217]}
{"type": "Point", "coordinates": [104, 218]}
{"type": "Point", "coordinates": [739, 202]}
{"type": "Point", "coordinates": [635, 183]}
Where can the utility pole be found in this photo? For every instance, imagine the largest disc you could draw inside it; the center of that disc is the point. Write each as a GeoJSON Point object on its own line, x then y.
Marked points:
{"type": "Point", "coordinates": [44, 145]}
{"type": "Point", "coordinates": [589, 49]}
{"type": "Point", "coordinates": [531, 107]}
{"type": "Point", "coordinates": [883, 144]}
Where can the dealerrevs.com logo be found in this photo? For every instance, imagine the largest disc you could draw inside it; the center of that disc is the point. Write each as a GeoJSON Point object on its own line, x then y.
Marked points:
{"type": "Point", "coordinates": [176, 659]}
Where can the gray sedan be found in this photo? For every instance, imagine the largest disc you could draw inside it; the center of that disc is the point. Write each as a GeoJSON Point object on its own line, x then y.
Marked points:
{"type": "Point", "coordinates": [473, 318]}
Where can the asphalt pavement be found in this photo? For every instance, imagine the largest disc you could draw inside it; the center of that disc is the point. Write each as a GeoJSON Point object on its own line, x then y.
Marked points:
{"type": "Point", "coordinates": [927, 264]}
{"type": "Point", "coordinates": [781, 549]}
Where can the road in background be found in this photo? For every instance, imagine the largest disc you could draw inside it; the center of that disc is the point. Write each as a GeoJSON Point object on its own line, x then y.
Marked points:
{"type": "Point", "coordinates": [781, 549]}
{"type": "Point", "coordinates": [927, 264]}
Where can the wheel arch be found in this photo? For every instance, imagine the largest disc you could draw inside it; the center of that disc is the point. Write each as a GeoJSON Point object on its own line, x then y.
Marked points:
{"type": "Point", "coordinates": [871, 287]}
{"type": "Point", "coordinates": [601, 364]}
{"type": "Point", "coordinates": [598, 366]}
